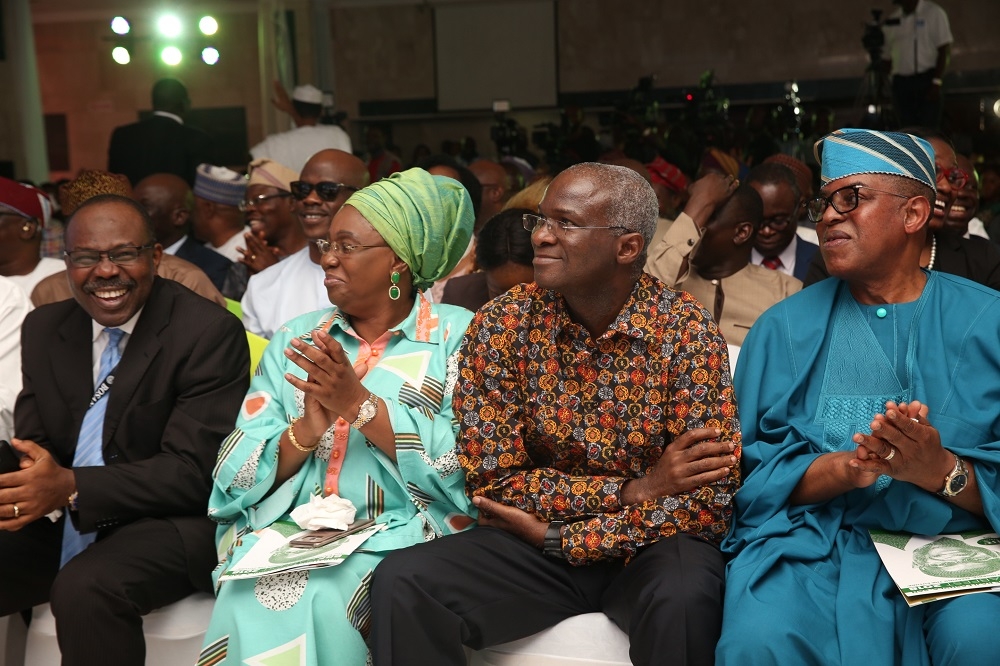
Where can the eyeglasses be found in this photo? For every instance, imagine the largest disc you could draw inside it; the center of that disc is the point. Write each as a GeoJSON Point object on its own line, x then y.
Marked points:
{"type": "Point", "coordinates": [534, 222]}
{"type": "Point", "coordinates": [955, 176]}
{"type": "Point", "coordinates": [843, 201]}
{"type": "Point", "coordinates": [341, 249]}
{"type": "Point", "coordinates": [247, 204]}
{"type": "Point", "coordinates": [325, 190]}
{"type": "Point", "coordinates": [120, 256]}
{"type": "Point", "coordinates": [780, 223]}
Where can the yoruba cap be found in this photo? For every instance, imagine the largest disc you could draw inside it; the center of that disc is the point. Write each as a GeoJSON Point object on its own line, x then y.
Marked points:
{"type": "Point", "coordinates": [426, 220]}
{"type": "Point", "coordinates": [850, 152]}
{"type": "Point", "coordinates": [265, 171]}
{"type": "Point", "coordinates": [308, 94]}
{"type": "Point", "coordinates": [803, 174]}
{"type": "Point", "coordinates": [666, 174]}
{"type": "Point", "coordinates": [89, 184]}
{"type": "Point", "coordinates": [24, 200]}
{"type": "Point", "coordinates": [219, 184]}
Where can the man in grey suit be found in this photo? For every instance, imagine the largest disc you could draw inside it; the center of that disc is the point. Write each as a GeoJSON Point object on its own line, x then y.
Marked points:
{"type": "Point", "coordinates": [129, 389]}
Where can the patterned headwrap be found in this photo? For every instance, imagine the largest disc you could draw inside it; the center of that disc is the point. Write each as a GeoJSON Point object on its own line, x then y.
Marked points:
{"type": "Point", "coordinates": [426, 220]}
{"type": "Point", "coordinates": [219, 184]}
{"type": "Point", "coordinates": [24, 200]}
{"type": "Point", "coordinates": [87, 185]}
{"type": "Point", "coordinates": [849, 152]}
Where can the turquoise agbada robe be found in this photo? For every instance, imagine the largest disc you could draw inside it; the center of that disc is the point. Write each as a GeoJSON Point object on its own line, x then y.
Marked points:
{"type": "Point", "coordinates": [806, 585]}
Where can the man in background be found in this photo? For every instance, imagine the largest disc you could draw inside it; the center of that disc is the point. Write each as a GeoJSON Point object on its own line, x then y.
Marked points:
{"type": "Point", "coordinates": [161, 143]}
{"type": "Point", "coordinates": [918, 45]}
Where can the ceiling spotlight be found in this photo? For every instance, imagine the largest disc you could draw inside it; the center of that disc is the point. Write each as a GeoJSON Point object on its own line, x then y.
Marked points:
{"type": "Point", "coordinates": [121, 55]}
{"type": "Point", "coordinates": [171, 55]}
{"type": "Point", "coordinates": [169, 25]}
{"type": "Point", "coordinates": [120, 25]}
{"type": "Point", "coordinates": [208, 25]}
{"type": "Point", "coordinates": [210, 55]}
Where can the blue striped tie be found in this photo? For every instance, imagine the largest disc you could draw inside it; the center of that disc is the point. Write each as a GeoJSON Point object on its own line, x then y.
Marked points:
{"type": "Point", "coordinates": [90, 443]}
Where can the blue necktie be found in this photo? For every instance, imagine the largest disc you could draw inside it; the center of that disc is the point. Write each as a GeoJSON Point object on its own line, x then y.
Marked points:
{"type": "Point", "coordinates": [90, 443]}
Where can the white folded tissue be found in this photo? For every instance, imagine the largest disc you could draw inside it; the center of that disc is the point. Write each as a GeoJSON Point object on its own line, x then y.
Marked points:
{"type": "Point", "coordinates": [330, 512]}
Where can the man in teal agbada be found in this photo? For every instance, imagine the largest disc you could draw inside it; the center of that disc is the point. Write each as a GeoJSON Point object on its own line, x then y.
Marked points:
{"type": "Point", "coordinates": [869, 401]}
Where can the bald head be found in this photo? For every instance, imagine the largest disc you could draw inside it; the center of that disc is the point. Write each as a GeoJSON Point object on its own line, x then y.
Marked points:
{"type": "Point", "coordinates": [347, 168]}
{"type": "Point", "coordinates": [169, 201]}
{"type": "Point", "coordinates": [495, 183]}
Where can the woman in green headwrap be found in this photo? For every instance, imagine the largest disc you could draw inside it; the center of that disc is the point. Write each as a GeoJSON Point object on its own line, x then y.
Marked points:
{"type": "Point", "coordinates": [353, 401]}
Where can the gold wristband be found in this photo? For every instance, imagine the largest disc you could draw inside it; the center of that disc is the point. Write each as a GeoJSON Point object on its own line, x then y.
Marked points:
{"type": "Point", "coordinates": [295, 442]}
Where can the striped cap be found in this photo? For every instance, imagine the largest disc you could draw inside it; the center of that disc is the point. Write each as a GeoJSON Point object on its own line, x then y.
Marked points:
{"type": "Point", "coordinates": [849, 152]}
{"type": "Point", "coordinates": [25, 201]}
{"type": "Point", "coordinates": [219, 184]}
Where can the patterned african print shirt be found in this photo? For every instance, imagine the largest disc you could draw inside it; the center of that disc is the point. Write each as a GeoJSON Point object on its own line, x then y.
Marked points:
{"type": "Point", "coordinates": [554, 422]}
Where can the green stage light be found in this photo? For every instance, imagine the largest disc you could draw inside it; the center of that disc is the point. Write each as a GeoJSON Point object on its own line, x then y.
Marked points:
{"type": "Point", "coordinates": [120, 25]}
{"type": "Point", "coordinates": [171, 55]}
{"type": "Point", "coordinates": [121, 55]}
{"type": "Point", "coordinates": [210, 55]}
{"type": "Point", "coordinates": [208, 25]}
{"type": "Point", "coordinates": [169, 25]}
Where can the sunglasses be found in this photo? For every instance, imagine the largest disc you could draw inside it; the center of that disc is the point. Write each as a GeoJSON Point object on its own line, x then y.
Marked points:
{"type": "Point", "coordinates": [325, 190]}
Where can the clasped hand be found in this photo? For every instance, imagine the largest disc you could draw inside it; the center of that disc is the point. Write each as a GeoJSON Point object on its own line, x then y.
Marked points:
{"type": "Point", "coordinates": [332, 387]}
{"type": "Point", "coordinates": [41, 486]}
{"type": "Point", "coordinates": [903, 445]}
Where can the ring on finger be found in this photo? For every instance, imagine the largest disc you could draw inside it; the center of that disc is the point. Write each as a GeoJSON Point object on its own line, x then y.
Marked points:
{"type": "Point", "coordinates": [892, 453]}
{"type": "Point", "coordinates": [17, 512]}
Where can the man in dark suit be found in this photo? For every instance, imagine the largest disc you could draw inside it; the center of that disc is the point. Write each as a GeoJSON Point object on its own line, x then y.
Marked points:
{"type": "Point", "coordinates": [170, 204]}
{"type": "Point", "coordinates": [161, 143]}
{"type": "Point", "coordinates": [179, 369]}
{"type": "Point", "coordinates": [777, 246]}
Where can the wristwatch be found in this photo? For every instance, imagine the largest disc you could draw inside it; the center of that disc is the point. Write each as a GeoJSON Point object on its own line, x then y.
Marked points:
{"type": "Point", "coordinates": [957, 480]}
{"type": "Point", "coordinates": [366, 412]}
{"type": "Point", "coordinates": [552, 544]}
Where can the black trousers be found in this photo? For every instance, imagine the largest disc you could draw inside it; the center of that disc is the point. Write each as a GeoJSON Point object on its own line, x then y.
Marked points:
{"type": "Point", "coordinates": [484, 587]}
{"type": "Point", "coordinates": [100, 596]}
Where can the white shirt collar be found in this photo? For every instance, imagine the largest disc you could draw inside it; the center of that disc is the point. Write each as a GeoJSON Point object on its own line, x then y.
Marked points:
{"type": "Point", "coordinates": [167, 114]}
{"type": "Point", "coordinates": [176, 246]}
{"type": "Point", "coordinates": [787, 257]}
{"type": "Point", "coordinates": [128, 326]}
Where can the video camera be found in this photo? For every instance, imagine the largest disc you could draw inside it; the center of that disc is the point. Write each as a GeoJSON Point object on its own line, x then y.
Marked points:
{"type": "Point", "coordinates": [873, 38]}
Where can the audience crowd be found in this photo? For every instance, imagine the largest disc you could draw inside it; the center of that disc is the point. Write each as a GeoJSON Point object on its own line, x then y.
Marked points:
{"type": "Point", "coordinates": [678, 396]}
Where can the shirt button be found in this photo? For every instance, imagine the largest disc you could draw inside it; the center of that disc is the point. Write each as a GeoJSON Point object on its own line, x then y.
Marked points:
{"type": "Point", "coordinates": [336, 454]}
{"type": "Point", "coordinates": [374, 352]}
{"type": "Point", "coordinates": [329, 490]}
{"type": "Point", "coordinates": [341, 421]}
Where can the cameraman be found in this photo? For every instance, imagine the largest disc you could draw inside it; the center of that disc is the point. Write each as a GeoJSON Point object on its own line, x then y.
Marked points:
{"type": "Point", "coordinates": [919, 40]}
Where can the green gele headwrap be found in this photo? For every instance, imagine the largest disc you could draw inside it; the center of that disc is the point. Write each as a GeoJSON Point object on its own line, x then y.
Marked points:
{"type": "Point", "coordinates": [426, 220]}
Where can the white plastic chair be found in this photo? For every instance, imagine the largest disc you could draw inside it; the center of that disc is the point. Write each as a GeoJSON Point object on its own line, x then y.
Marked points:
{"type": "Point", "coordinates": [583, 640]}
{"type": "Point", "coordinates": [174, 633]}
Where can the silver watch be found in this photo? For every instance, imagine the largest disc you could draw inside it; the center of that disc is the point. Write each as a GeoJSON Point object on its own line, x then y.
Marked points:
{"type": "Point", "coordinates": [366, 412]}
{"type": "Point", "coordinates": [957, 480]}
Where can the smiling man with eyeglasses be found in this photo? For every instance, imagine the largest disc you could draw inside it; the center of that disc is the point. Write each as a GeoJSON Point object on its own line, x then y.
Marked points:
{"type": "Point", "coordinates": [869, 400]}
{"type": "Point", "coordinates": [295, 286]}
{"type": "Point", "coordinates": [129, 387]}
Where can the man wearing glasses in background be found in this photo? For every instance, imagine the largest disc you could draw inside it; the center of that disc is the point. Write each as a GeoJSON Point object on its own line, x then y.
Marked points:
{"type": "Point", "coordinates": [868, 401]}
{"type": "Point", "coordinates": [600, 442]}
{"type": "Point", "coordinates": [128, 389]}
{"type": "Point", "coordinates": [777, 246]}
{"type": "Point", "coordinates": [295, 286]}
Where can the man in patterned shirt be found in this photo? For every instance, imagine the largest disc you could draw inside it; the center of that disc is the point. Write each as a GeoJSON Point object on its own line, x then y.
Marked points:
{"type": "Point", "coordinates": [600, 441]}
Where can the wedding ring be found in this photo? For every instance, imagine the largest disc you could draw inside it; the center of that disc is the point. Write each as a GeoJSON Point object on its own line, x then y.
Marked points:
{"type": "Point", "coordinates": [252, 257]}
{"type": "Point", "coordinates": [892, 453]}
{"type": "Point", "coordinates": [17, 512]}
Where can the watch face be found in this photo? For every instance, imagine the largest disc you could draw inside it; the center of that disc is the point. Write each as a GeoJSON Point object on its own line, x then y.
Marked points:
{"type": "Point", "coordinates": [367, 411]}
{"type": "Point", "coordinates": [958, 483]}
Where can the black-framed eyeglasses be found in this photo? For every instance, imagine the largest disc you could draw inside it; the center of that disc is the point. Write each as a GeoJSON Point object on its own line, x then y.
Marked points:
{"type": "Point", "coordinates": [955, 176]}
{"type": "Point", "coordinates": [534, 222]}
{"type": "Point", "coordinates": [120, 256]}
{"type": "Point", "coordinates": [781, 223]}
{"type": "Point", "coordinates": [843, 201]}
{"type": "Point", "coordinates": [253, 202]}
{"type": "Point", "coordinates": [326, 190]}
{"type": "Point", "coordinates": [341, 249]}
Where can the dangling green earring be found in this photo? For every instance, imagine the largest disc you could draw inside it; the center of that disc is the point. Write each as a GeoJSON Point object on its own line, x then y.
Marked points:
{"type": "Point", "coordinates": [394, 290]}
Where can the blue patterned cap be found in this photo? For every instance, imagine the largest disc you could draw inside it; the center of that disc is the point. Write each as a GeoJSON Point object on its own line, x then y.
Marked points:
{"type": "Point", "coordinates": [849, 152]}
{"type": "Point", "coordinates": [219, 184]}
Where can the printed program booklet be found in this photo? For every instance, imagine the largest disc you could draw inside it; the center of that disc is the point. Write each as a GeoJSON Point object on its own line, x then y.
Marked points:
{"type": "Point", "coordinates": [930, 568]}
{"type": "Point", "coordinates": [273, 554]}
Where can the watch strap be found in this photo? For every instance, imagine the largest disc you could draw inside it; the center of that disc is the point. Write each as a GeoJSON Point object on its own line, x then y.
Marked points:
{"type": "Point", "coordinates": [552, 544]}
{"type": "Point", "coordinates": [960, 469]}
{"type": "Point", "coordinates": [366, 411]}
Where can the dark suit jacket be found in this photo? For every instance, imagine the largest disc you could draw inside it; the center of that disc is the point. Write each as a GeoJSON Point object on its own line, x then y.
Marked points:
{"type": "Point", "coordinates": [468, 291]}
{"type": "Point", "coordinates": [804, 253]}
{"type": "Point", "coordinates": [177, 391]}
{"type": "Point", "coordinates": [215, 266]}
{"type": "Point", "coordinates": [159, 145]}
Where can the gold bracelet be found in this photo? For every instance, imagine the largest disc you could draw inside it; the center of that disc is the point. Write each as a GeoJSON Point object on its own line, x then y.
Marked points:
{"type": "Point", "coordinates": [295, 442]}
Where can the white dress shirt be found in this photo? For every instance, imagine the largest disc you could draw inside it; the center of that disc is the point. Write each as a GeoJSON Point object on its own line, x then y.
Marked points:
{"type": "Point", "coordinates": [14, 305]}
{"type": "Point", "coordinates": [100, 341]}
{"type": "Point", "coordinates": [913, 44]}
{"type": "Point", "coordinates": [787, 257]}
{"type": "Point", "coordinates": [46, 267]}
{"type": "Point", "coordinates": [228, 249]}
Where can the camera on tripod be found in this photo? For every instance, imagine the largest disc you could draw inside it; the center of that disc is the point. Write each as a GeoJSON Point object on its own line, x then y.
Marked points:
{"type": "Point", "coordinates": [873, 38]}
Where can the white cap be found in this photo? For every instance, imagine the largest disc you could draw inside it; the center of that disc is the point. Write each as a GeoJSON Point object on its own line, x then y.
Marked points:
{"type": "Point", "coordinates": [308, 95]}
